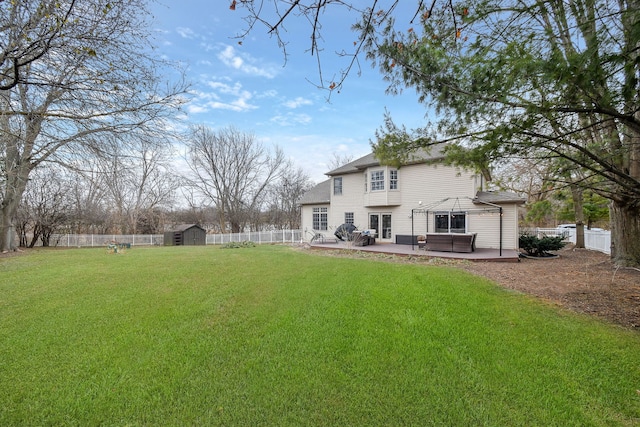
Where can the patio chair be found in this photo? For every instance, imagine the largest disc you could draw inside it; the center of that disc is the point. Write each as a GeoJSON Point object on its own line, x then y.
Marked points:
{"type": "Point", "coordinates": [317, 237]}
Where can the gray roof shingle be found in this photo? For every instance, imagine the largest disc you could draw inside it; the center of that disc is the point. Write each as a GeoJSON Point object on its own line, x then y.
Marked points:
{"type": "Point", "coordinates": [319, 194]}
{"type": "Point", "coordinates": [498, 197]}
{"type": "Point", "coordinates": [434, 153]}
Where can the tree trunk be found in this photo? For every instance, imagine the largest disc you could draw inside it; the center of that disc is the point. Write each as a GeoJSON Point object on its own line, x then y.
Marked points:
{"type": "Point", "coordinates": [46, 238]}
{"type": "Point", "coordinates": [22, 237]}
{"type": "Point", "coordinates": [578, 208]}
{"type": "Point", "coordinates": [8, 229]}
{"type": "Point", "coordinates": [625, 234]}
{"type": "Point", "coordinates": [8, 215]}
{"type": "Point", "coordinates": [15, 185]}
{"type": "Point", "coordinates": [37, 230]}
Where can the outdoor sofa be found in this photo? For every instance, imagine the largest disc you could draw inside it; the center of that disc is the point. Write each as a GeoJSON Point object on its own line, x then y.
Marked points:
{"type": "Point", "coordinates": [450, 242]}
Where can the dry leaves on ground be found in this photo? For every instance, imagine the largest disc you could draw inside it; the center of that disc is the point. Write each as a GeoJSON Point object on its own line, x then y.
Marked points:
{"type": "Point", "coordinates": [579, 279]}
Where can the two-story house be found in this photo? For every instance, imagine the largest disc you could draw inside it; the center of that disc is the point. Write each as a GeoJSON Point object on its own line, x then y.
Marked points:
{"type": "Point", "coordinates": [422, 196]}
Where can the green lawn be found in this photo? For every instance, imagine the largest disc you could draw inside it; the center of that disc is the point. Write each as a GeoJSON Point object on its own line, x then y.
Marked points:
{"type": "Point", "coordinates": [272, 336]}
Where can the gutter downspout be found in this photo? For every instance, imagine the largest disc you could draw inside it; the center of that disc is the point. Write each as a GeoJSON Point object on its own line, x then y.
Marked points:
{"type": "Point", "coordinates": [412, 248]}
{"type": "Point", "coordinates": [500, 230]}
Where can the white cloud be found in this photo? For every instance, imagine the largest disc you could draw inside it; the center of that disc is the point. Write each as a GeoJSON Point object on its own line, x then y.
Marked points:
{"type": "Point", "coordinates": [313, 152]}
{"type": "Point", "coordinates": [269, 93]}
{"type": "Point", "coordinates": [291, 119]}
{"type": "Point", "coordinates": [296, 103]}
{"type": "Point", "coordinates": [240, 104]}
{"type": "Point", "coordinates": [208, 47]}
{"type": "Point", "coordinates": [245, 63]}
{"type": "Point", "coordinates": [223, 96]}
{"type": "Point", "coordinates": [186, 33]}
{"type": "Point", "coordinates": [195, 109]}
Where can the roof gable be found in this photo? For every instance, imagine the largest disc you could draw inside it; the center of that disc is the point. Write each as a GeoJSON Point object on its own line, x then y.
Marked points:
{"type": "Point", "coordinates": [434, 153]}
{"type": "Point", "coordinates": [185, 227]}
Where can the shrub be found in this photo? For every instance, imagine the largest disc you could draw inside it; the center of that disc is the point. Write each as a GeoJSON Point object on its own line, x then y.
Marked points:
{"type": "Point", "coordinates": [236, 245]}
{"type": "Point", "coordinates": [540, 247]}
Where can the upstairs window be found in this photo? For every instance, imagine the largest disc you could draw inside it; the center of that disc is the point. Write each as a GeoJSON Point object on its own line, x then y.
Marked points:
{"type": "Point", "coordinates": [393, 179]}
{"type": "Point", "coordinates": [337, 186]}
{"type": "Point", "coordinates": [377, 180]}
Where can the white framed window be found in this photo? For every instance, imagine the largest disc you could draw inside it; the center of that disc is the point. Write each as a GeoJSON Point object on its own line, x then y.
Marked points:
{"type": "Point", "coordinates": [451, 222]}
{"type": "Point", "coordinates": [337, 186]}
{"type": "Point", "coordinates": [393, 179]}
{"type": "Point", "coordinates": [320, 218]}
{"type": "Point", "coordinates": [377, 180]}
{"type": "Point", "coordinates": [349, 218]}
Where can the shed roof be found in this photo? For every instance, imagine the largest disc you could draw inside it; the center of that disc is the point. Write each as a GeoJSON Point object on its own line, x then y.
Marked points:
{"type": "Point", "coordinates": [184, 227]}
{"type": "Point", "coordinates": [320, 194]}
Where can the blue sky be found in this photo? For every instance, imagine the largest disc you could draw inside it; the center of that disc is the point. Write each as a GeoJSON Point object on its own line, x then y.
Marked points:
{"type": "Point", "coordinates": [251, 87]}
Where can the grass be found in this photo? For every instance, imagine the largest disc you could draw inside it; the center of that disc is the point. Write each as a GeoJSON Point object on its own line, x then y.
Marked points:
{"type": "Point", "coordinates": [272, 336]}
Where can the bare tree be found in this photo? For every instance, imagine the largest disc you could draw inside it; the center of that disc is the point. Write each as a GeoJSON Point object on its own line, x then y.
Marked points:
{"type": "Point", "coordinates": [97, 77]}
{"type": "Point", "coordinates": [337, 160]}
{"type": "Point", "coordinates": [137, 180]}
{"type": "Point", "coordinates": [284, 195]}
{"type": "Point", "coordinates": [196, 210]}
{"type": "Point", "coordinates": [28, 34]}
{"type": "Point", "coordinates": [91, 213]}
{"type": "Point", "coordinates": [232, 170]}
{"type": "Point", "coordinates": [45, 207]}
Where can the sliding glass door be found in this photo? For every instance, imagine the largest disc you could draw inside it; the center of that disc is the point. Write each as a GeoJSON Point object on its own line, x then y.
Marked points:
{"type": "Point", "coordinates": [381, 223]}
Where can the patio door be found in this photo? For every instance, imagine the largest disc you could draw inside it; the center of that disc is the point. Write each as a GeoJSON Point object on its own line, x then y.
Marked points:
{"type": "Point", "coordinates": [381, 223]}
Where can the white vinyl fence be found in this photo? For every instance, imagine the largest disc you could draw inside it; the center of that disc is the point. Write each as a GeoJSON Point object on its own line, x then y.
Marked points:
{"type": "Point", "coordinates": [91, 240]}
{"type": "Point", "coordinates": [258, 237]}
{"type": "Point", "coordinates": [96, 240]}
{"type": "Point", "coordinates": [597, 240]}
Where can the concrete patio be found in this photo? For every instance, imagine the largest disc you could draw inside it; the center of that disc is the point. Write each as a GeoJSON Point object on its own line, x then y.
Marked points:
{"type": "Point", "coordinates": [480, 254]}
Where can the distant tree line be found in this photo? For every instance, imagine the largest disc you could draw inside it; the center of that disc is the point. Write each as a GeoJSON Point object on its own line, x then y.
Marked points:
{"type": "Point", "coordinates": [140, 193]}
{"type": "Point", "coordinates": [86, 140]}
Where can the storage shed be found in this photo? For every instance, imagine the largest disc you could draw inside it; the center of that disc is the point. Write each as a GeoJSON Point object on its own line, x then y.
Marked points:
{"type": "Point", "coordinates": [185, 234]}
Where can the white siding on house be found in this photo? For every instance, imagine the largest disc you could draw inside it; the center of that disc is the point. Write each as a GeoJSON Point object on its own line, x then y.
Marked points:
{"type": "Point", "coordinates": [488, 228]}
{"type": "Point", "coordinates": [416, 183]}
{"type": "Point", "coordinates": [430, 184]}
{"type": "Point", "coordinates": [307, 220]}
{"type": "Point", "coordinates": [349, 201]}
{"type": "Point", "coordinates": [422, 189]}
{"type": "Point", "coordinates": [385, 196]}
{"type": "Point", "coordinates": [374, 199]}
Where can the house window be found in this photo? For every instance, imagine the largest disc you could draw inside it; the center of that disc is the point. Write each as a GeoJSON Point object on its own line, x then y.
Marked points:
{"type": "Point", "coordinates": [377, 180]}
{"type": "Point", "coordinates": [337, 186]}
{"type": "Point", "coordinates": [393, 179]}
{"type": "Point", "coordinates": [451, 222]}
{"type": "Point", "coordinates": [348, 218]}
{"type": "Point", "coordinates": [320, 218]}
